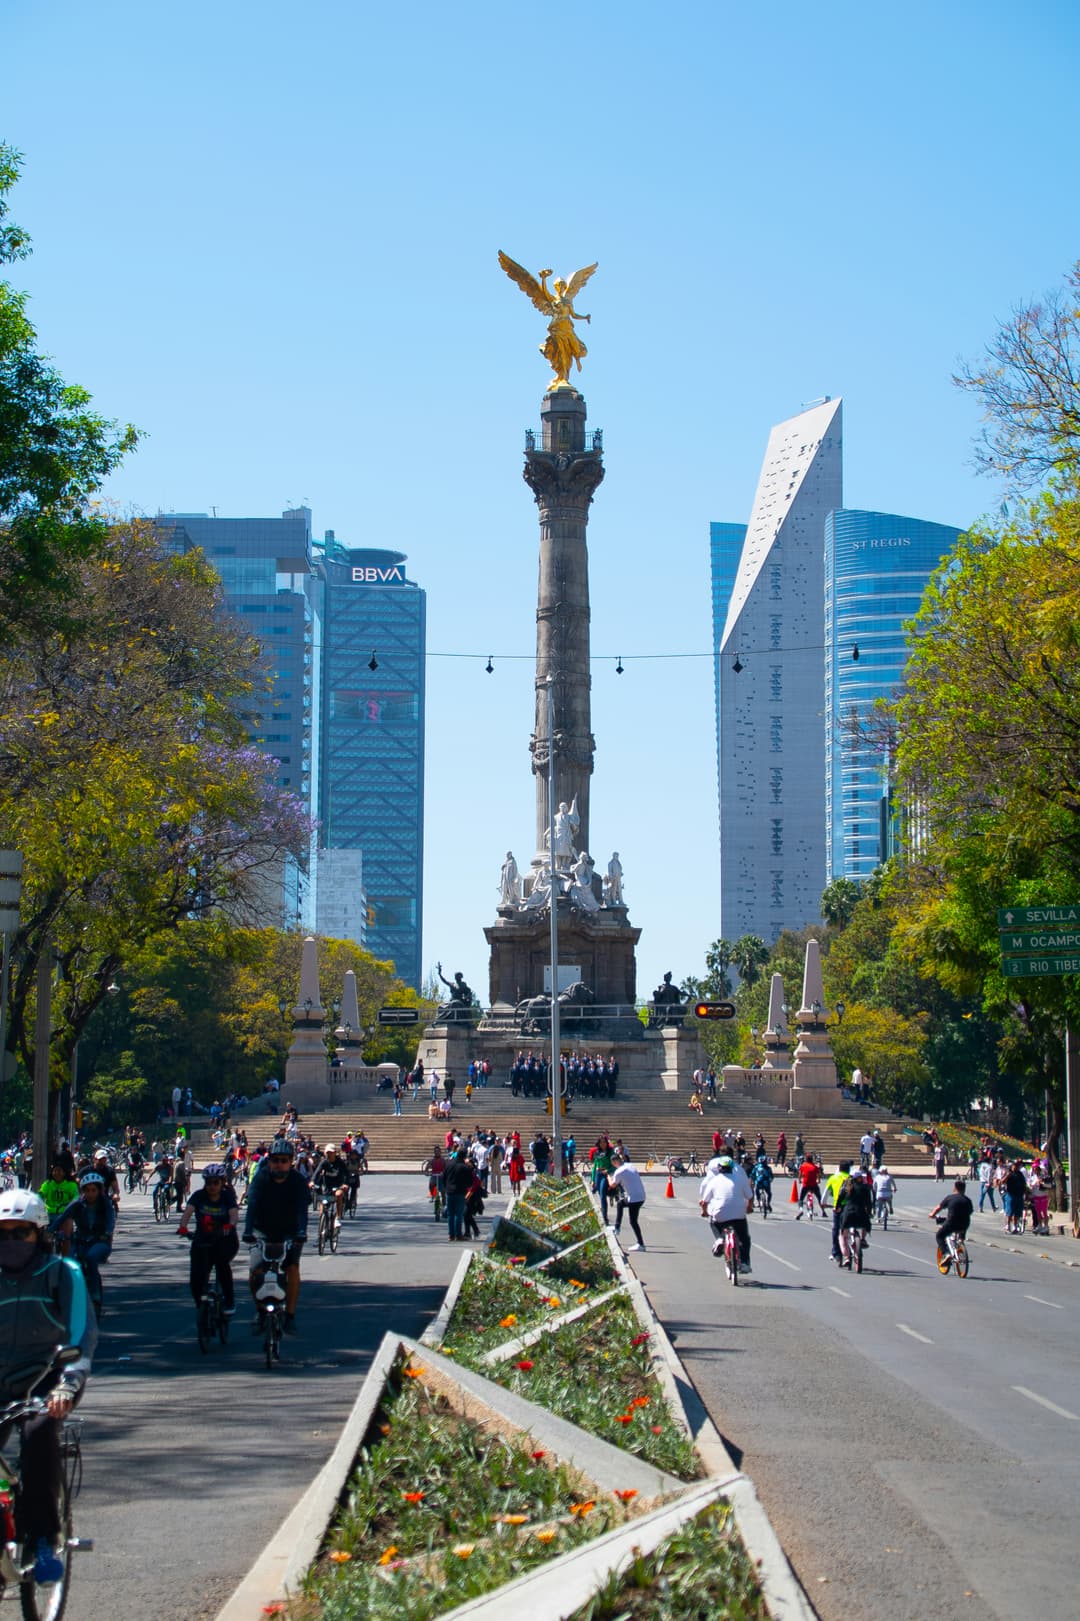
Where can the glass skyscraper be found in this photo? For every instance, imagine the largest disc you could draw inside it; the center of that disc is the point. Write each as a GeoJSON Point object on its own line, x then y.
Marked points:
{"type": "Point", "coordinates": [876, 568]}
{"type": "Point", "coordinates": [372, 796]}
{"type": "Point", "coordinates": [267, 571]}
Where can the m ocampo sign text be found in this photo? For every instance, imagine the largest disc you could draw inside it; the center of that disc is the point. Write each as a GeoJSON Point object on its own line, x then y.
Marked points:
{"type": "Point", "coordinates": [1027, 942]}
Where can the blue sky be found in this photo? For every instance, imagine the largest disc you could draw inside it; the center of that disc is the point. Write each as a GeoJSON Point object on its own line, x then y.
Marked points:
{"type": "Point", "coordinates": [267, 235]}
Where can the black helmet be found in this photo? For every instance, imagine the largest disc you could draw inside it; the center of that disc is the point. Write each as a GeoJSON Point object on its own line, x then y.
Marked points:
{"type": "Point", "coordinates": [282, 1145]}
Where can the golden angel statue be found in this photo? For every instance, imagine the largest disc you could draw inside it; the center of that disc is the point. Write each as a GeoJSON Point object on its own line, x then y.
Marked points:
{"type": "Point", "coordinates": [563, 347]}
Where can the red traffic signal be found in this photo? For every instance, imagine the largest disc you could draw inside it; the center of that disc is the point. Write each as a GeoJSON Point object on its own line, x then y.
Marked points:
{"type": "Point", "coordinates": [714, 1010]}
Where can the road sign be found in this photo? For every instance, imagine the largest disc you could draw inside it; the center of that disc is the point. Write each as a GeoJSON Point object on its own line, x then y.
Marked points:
{"type": "Point", "coordinates": [399, 1015]}
{"type": "Point", "coordinates": [714, 1010]}
{"type": "Point", "coordinates": [1034, 917]}
{"type": "Point", "coordinates": [1030, 942]}
{"type": "Point", "coordinates": [1039, 967]}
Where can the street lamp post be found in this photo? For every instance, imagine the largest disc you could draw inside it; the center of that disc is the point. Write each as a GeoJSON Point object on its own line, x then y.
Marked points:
{"type": "Point", "coordinates": [553, 907]}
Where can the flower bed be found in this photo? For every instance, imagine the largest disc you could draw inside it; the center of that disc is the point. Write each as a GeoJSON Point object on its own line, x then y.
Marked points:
{"type": "Point", "coordinates": [596, 1372]}
{"type": "Point", "coordinates": [497, 1303]}
{"type": "Point", "coordinates": [589, 1265]}
{"type": "Point", "coordinates": [702, 1570]}
{"type": "Point", "coordinates": [441, 1508]}
{"type": "Point", "coordinates": [550, 1210]}
{"type": "Point", "coordinates": [958, 1140]}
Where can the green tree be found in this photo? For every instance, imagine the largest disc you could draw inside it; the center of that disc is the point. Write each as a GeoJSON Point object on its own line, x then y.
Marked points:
{"type": "Point", "coordinates": [748, 956]}
{"type": "Point", "coordinates": [55, 452]}
{"type": "Point", "coordinates": [839, 899]}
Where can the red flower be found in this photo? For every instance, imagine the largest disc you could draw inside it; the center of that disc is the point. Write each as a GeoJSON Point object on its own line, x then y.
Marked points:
{"type": "Point", "coordinates": [413, 1497]}
{"type": "Point", "coordinates": [640, 1340]}
{"type": "Point", "coordinates": [524, 1364]}
{"type": "Point", "coordinates": [536, 1456]}
{"type": "Point", "coordinates": [658, 1429]}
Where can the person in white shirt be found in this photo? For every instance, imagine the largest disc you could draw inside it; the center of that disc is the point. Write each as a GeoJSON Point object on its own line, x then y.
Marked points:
{"type": "Point", "coordinates": [866, 1149]}
{"type": "Point", "coordinates": [727, 1198]}
{"type": "Point", "coordinates": [884, 1188]}
{"type": "Point", "coordinates": [625, 1178]}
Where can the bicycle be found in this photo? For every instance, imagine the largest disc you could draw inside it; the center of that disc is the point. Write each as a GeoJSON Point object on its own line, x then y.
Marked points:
{"type": "Point", "coordinates": [270, 1296]}
{"type": "Point", "coordinates": [94, 1286]}
{"type": "Point", "coordinates": [882, 1211]}
{"type": "Point", "coordinates": [852, 1244]}
{"type": "Point", "coordinates": [210, 1319]}
{"type": "Point", "coordinates": [693, 1164]}
{"type": "Point", "coordinates": [162, 1200]}
{"type": "Point", "coordinates": [329, 1225]}
{"type": "Point", "coordinates": [133, 1178]}
{"type": "Point", "coordinates": [41, 1601]}
{"type": "Point", "coordinates": [730, 1251]}
{"type": "Point", "coordinates": [956, 1254]}
{"type": "Point", "coordinates": [350, 1197]}
{"type": "Point", "coordinates": [763, 1195]}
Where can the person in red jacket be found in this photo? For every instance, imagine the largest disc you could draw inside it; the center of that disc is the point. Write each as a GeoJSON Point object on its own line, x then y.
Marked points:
{"type": "Point", "coordinates": [809, 1186]}
{"type": "Point", "coordinates": [781, 1150]}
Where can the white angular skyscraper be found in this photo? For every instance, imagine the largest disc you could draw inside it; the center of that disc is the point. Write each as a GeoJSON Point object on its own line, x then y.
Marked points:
{"type": "Point", "coordinates": [771, 687]}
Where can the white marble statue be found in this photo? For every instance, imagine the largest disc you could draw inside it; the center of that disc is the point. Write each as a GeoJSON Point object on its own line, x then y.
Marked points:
{"type": "Point", "coordinates": [566, 821]}
{"type": "Point", "coordinates": [613, 895]}
{"type": "Point", "coordinates": [540, 894]}
{"type": "Point", "coordinates": [581, 890]}
{"type": "Point", "coordinates": [509, 882]}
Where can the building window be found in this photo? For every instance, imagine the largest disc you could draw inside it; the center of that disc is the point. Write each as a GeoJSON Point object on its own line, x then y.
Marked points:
{"type": "Point", "coordinates": [776, 734]}
{"type": "Point", "coordinates": [775, 630]}
{"type": "Point", "coordinates": [775, 682]}
{"type": "Point", "coordinates": [777, 826]}
{"type": "Point", "coordinates": [776, 783]}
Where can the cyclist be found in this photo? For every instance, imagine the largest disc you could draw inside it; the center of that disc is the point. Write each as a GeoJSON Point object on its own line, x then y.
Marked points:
{"type": "Point", "coordinates": [761, 1177]}
{"type": "Point", "coordinates": [353, 1173]}
{"type": "Point", "coordinates": [958, 1210]}
{"type": "Point", "coordinates": [107, 1172]}
{"type": "Point", "coordinates": [332, 1177]}
{"type": "Point", "coordinates": [85, 1229]}
{"type": "Point", "coordinates": [855, 1202]}
{"type": "Point", "coordinates": [832, 1188]}
{"type": "Point", "coordinates": [162, 1175]}
{"type": "Point", "coordinates": [884, 1188]}
{"type": "Point", "coordinates": [58, 1191]}
{"type": "Point", "coordinates": [809, 1186]}
{"type": "Point", "coordinates": [361, 1145]}
{"type": "Point", "coordinates": [183, 1167]}
{"type": "Point", "coordinates": [278, 1202]}
{"type": "Point", "coordinates": [42, 1303]}
{"type": "Point", "coordinates": [134, 1160]}
{"type": "Point", "coordinates": [727, 1198]}
{"type": "Point", "coordinates": [214, 1209]}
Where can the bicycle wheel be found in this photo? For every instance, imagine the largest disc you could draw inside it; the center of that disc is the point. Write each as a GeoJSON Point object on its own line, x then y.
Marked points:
{"type": "Point", "coordinates": [268, 1343]}
{"type": "Point", "coordinates": [322, 1232]}
{"type": "Point", "coordinates": [203, 1326]}
{"type": "Point", "coordinates": [962, 1262]}
{"type": "Point", "coordinates": [45, 1601]}
{"type": "Point", "coordinates": [857, 1251]}
{"type": "Point", "coordinates": [731, 1259]}
{"type": "Point", "coordinates": [159, 1205]}
{"type": "Point", "coordinates": [335, 1233]}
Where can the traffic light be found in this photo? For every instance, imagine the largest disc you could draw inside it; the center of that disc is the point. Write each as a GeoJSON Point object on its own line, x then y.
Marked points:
{"type": "Point", "coordinates": [714, 1010]}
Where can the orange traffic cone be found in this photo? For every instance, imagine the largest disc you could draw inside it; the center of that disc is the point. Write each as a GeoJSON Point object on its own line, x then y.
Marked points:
{"type": "Point", "coordinates": [669, 1191]}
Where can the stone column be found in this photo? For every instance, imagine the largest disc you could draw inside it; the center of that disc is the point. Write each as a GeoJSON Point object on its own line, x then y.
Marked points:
{"type": "Point", "coordinates": [563, 476]}
{"type": "Point", "coordinates": [306, 1064]}
{"type": "Point", "coordinates": [814, 1091]}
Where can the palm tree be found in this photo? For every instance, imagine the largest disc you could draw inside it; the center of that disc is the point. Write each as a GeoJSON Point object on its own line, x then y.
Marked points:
{"type": "Point", "coordinates": [839, 900]}
{"type": "Point", "coordinates": [749, 955]}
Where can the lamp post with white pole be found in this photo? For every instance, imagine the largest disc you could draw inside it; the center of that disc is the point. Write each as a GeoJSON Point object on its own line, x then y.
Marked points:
{"type": "Point", "coordinates": [553, 906]}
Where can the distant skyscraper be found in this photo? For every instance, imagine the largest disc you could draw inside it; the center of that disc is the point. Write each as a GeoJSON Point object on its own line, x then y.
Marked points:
{"type": "Point", "coordinates": [267, 571]}
{"type": "Point", "coordinates": [876, 569]}
{"type": "Point", "coordinates": [373, 740]}
{"type": "Point", "coordinates": [342, 904]}
{"type": "Point", "coordinates": [771, 687]}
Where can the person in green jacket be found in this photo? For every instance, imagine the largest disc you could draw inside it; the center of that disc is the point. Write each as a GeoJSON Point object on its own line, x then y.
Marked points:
{"type": "Point", "coordinates": [58, 1190]}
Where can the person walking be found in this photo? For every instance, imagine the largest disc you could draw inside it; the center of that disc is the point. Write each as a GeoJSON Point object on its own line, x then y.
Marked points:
{"type": "Point", "coordinates": [986, 1184]}
{"type": "Point", "coordinates": [398, 1094]}
{"type": "Point", "coordinates": [495, 1166]}
{"type": "Point", "coordinates": [939, 1162]}
{"type": "Point", "coordinates": [516, 1170]}
{"type": "Point", "coordinates": [625, 1179]}
{"type": "Point", "coordinates": [457, 1179]}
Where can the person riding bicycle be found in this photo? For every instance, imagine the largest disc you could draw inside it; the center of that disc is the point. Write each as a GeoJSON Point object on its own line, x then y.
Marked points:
{"type": "Point", "coordinates": [361, 1144]}
{"type": "Point", "coordinates": [215, 1212]}
{"type": "Point", "coordinates": [107, 1172]}
{"type": "Point", "coordinates": [958, 1210]}
{"type": "Point", "coordinates": [43, 1303]}
{"type": "Point", "coordinates": [436, 1166]}
{"type": "Point", "coordinates": [884, 1188]}
{"type": "Point", "coordinates": [809, 1176]}
{"type": "Point", "coordinates": [761, 1177]}
{"type": "Point", "coordinates": [353, 1173]}
{"type": "Point", "coordinates": [161, 1176]}
{"type": "Point", "coordinates": [134, 1160]}
{"type": "Point", "coordinates": [331, 1178]}
{"type": "Point", "coordinates": [85, 1229]}
{"type": "Point", "coordinates": [855, 1202]}
{"type": "Point", "coordinates": [727, 1198]}
{"type": "Point", "coordinates": [183, 1169]}
{"type": "Point", "coordinates": [58, 1191]}
{"type": "Point", "coordinates": [278, 1202]}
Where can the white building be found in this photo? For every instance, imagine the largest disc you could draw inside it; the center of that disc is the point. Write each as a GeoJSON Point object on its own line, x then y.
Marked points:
{"type": "Point", "coordinates": [771, 687]}
{"type": "Point", "coordinates": [342, 903]}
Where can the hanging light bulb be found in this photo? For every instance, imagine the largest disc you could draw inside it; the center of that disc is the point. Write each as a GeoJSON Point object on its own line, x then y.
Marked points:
{"type": "Point", "coordinates": [619, 666]}
{"type": "Point", "coordinates": [489, 667]}
{"type": "Point", "coordinates": [373, 663]}
{"type": "Point", "coordinates": [855, 654]}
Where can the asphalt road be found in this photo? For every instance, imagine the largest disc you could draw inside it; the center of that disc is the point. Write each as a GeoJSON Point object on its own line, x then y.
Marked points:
{"type": "Point", "coordinates": [915, 1439]}
{"type": "Point", "coordinates": [192, 1461]}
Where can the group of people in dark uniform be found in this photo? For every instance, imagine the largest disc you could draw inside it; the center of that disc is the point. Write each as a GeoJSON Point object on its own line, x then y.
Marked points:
{"type": "Point", "coordinates": [585, 1075]}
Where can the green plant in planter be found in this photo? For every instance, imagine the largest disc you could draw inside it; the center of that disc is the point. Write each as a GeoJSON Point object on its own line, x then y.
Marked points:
{"type": "Point", "coordinates": [703, 1570]}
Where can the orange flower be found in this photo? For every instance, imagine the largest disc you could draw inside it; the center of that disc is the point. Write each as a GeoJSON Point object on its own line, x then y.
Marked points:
{"type": "Point", "coordinates": [583, 1508]}
{"type": "Point", "coordinates": [626, 1495]}
{"type": "Point", "coordinates": [464, 1549]}
{"type": "Point", "coordinates": [385, 1558]}
{"type": "Point", "coordinates": [340, 1557]}
{"type": "Point", "coordinates": [577, 1283]}
{"type": "Point", "coordinates": [510, 1519]}
{"type": "Point", "coordinates": [553, 1300]}
{"type": "Point", "coordinates": [640, 1401]}
{"type": "Point", "coordinates": [412, 1373]}
{"type": "Point", "coordinates": [384, 1429]}
{"type": "Point", "coordinates": [508, 1321]}
{"type": "Point", "coordinates": [545, 1536]}
{"type": "Point", "coordinates": [413, 1497]}
{"type": "Point", "coordinates": [657, 1429]}
{"type": "Point", "coordinates": [624, 1418]}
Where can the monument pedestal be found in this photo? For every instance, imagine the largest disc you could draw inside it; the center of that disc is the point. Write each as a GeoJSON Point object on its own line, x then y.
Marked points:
{"type": "Point", "coordinates": [598, 945]}
{"type": "Point", "coordinates": [682, 1055]}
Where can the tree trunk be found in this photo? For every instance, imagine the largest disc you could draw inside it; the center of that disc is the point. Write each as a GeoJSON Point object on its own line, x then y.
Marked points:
{"type": "Point", "coordinates": [1054, 1134]}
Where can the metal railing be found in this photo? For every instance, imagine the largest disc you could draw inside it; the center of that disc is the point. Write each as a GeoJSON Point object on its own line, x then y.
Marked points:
{"type": "Point", "coordinates": [594, 441]}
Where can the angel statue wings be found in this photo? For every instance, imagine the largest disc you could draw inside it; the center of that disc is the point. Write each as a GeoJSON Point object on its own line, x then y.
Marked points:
{"type": "Point", "coordinates": [563, 347]}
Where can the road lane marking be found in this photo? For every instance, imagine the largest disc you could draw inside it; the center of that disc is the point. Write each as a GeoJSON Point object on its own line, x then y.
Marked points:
{"type": "Point", "coordinates": [837, 1291]}
{"type": "Point", "coordinates": [773, 1257]}
{"type": "Point", "coordinates": [1039, 1302]}
{"type": "Point", "coordinates": [1062, 1412]}
{"type": "Point", "coordinates": [904, 1329]}
{"type": "Point", "coordinates": [907, 1257]}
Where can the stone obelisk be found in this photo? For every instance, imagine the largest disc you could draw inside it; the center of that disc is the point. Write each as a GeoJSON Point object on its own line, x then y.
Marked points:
{"type": "Point", "coordinates": [563, 473]}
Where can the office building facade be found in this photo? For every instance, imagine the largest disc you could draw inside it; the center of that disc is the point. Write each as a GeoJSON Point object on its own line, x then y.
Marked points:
{"type": "Point", "coordinates": [267, 570]}
{"type": "Point", "coordinates": [771, 686]}
{"type": "Point", "coordinates": [876, 568]}
{"type": "Point", "coordinates": [372, 784]}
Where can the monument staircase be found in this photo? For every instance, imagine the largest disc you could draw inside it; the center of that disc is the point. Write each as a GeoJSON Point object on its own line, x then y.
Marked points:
{"type": "Point", "coordinates": [652, 1122]}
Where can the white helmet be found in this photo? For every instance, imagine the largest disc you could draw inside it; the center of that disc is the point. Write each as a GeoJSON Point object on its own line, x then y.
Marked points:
{"type": "Point", "coordinates": [19, 1204]}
